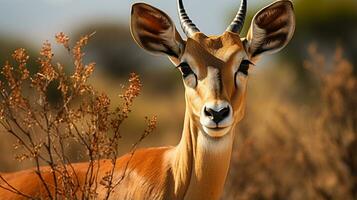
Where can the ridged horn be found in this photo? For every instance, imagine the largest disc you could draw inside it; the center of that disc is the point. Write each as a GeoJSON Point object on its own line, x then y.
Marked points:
{"type": "Point", "coordinates": [188, 27]}
{"type": "Point", "coordinates": [238, 22]}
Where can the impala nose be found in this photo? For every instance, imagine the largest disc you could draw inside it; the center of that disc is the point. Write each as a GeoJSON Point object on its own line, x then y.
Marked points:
{"type": "Point", "coordinates": [217, 115]}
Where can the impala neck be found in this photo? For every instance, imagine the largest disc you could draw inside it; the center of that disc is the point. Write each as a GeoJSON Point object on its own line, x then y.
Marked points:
{"type": "Point", "coordinates": [200, 163]}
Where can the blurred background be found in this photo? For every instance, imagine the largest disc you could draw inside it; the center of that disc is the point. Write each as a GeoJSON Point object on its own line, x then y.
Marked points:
{"type": "Point", "coordinates": [304, 99]}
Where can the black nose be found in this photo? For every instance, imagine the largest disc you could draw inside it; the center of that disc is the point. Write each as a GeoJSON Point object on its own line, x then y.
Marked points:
{"type": "Point", "coordinates": [217, 116]}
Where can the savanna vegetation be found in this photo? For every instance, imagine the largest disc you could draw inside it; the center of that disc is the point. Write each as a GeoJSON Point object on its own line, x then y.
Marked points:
{"type": "Point", "coordinates": [49, 111]}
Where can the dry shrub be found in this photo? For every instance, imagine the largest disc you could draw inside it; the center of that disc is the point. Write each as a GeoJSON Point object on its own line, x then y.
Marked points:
{"type": "Point", "coordinates": [44, 130]}
{"type": "Point", "coordinates": [301, 151]}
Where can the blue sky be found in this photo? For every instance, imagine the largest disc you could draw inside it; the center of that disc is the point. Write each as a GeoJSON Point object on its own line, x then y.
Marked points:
{"type": "Point", "coordinates": [38, 20]}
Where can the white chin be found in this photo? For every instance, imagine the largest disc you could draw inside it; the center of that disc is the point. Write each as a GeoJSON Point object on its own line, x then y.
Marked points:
{"type": "Point", "coordinates": [216, 132]}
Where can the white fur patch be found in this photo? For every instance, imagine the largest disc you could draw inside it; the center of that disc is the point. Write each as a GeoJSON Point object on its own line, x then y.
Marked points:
{"type": "Point", "coordinates": [215, 145]}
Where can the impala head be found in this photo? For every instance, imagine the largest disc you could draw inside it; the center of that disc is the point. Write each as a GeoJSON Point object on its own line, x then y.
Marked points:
{"type": "Point", "coordinates": [214, 68]}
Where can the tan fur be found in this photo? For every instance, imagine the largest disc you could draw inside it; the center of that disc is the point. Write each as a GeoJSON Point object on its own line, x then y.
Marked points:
{"type": "Point", "coordinates": [197, 167]}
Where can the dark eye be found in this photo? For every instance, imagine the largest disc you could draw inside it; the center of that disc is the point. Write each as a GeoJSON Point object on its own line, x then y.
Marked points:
{"type": "Point", "coordinates": [244, 66]}
{"type": "Point", "coordinates": [185, 69]}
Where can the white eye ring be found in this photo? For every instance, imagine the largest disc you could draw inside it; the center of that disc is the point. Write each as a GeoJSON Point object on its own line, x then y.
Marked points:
{"type": "Point", "coordinates": [191, 80]}
{"type": "Point", "coordinates": [242, 74]}
{"type": "Point", "coordinates": [239, 75]}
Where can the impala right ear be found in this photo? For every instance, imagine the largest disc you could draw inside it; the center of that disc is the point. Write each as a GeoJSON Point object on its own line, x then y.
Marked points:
{"type": "Point", "coordinates": [271, 30]}
{"type": "Point", "coordinates": [154, 31]}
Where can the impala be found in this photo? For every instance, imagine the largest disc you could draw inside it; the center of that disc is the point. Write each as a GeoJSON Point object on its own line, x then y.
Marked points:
{"type": "Point", "coordinates": [215, 74]}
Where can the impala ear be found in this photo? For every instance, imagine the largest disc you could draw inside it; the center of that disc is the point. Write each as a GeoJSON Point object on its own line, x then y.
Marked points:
{"type": "Point", "coordinates": [271, 30]}
{"type": "Point", "coordinates": [154, 31]}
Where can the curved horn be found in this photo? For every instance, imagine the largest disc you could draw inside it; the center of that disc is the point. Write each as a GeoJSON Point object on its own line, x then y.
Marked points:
{"type": "Point", "coordinates": [238, 22]}
{"type": "Point", "coordinates": [188, 27]}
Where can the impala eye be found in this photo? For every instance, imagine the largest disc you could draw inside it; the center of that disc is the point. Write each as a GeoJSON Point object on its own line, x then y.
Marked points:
{"type": "Point", "coordinates": [244, 66]}
{"type": "Point", "coordinates": [185, 69]}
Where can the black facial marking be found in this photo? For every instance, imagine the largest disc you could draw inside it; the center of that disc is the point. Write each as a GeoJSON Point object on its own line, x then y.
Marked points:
{"type": "Point", "coordinates": [220, 82]}
{"type": "Point", "coordinates": [185, 69]}
{"type": "Point", "coordinates": [244, 66]}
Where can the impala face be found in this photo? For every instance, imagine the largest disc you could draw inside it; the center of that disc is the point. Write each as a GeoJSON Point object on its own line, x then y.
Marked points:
{"type": "Point", "coordinates": [215, 71]}
{"type": "Point", "coordinates": [214, 68]}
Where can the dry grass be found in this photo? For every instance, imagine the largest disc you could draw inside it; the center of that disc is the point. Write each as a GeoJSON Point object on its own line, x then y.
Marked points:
{"type": "Point", "coordinates": [80, 115]}
{"type": "Point", "coordinates": [290, 150]}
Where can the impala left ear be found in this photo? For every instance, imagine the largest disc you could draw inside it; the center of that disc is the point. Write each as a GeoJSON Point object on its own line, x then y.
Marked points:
{"type": "Point", "coordinates": [154, 31]}
{"type": "Point", "coordinates": [271, 30]}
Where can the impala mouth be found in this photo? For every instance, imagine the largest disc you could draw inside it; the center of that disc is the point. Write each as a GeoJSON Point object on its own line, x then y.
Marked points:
{"type": "Point", "coordinates": [217, 128]}
{"type": "Point", "coordinates": [217, 131]}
